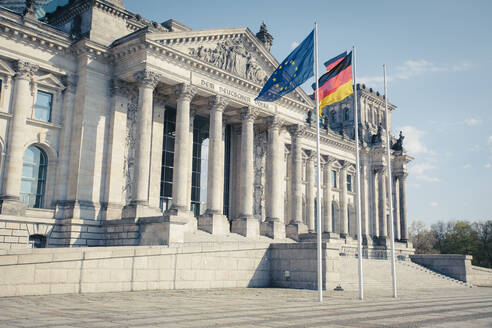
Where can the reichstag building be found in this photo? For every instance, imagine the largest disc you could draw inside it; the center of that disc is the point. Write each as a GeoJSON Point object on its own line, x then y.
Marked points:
{"type": "Point", "coordinates": [116, 130]}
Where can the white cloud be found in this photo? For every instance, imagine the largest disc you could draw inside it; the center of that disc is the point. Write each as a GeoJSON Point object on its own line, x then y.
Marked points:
{"type": "Point", "coordinates": [413, 68]}
{"type": "Point", "coordinates": [421, 171]}
{"type": "Point", "coordinates": [467, 166]}
{"type": "Point", "coordinates": [473, 121]}
{"type": "Point", "coordinates": [413, 140]}
{"type": "Point", "coordinates": [475, 148]}
{"type": "Point", "coordinates": [434, 204]}
{"type": "Point", "coordinates": [294, 45]}
{"type": "Point", "coordinates": [488, 166]}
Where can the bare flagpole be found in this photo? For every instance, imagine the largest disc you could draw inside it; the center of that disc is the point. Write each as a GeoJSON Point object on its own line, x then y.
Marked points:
{"type": "Point", "coordinates": [357, 166]}
{"type": "Point", "coordinates": [389, 183]}
{"type": "Point", "coordinates": [318, 202]}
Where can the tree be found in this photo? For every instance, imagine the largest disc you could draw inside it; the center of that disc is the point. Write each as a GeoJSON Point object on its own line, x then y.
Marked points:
{"type": "Point", "coordinates": [422, 238]}
{"type": "Point", "coordinates": [483, 256]}
{"type": "Point", "coordinates": [460, 239]}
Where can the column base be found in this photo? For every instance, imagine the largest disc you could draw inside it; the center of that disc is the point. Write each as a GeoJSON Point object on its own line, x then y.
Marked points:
{"type": "Point", "coordinates": [214, 223]}
{"type": "Point", "coordinates": [79, 210]}
{"type": "Point", "coordinates": [383, 241]}
{"type": "Point", "coordinates": [163, 230]}
{"type": "Point", "coordinates": [246, 226]}
{"type": "Point", "coordinates": [183, 214]}
{"type": "Point", "coordinates": [293, 230]}
{"type": "Point", "coordinates": [12, 206]}
{"type": "Point", "coordinates": [136, 210]}
{"type": "Point", "coordinates": [273, 228]}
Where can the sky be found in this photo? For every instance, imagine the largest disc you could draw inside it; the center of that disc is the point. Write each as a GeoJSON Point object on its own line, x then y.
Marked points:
{"type": "Point", "coordinates": [439, 59]}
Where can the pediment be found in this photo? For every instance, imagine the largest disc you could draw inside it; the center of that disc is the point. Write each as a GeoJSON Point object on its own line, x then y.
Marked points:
{"type": "Point", "coordinates": [51, 81]}
{"type": "Point", "coordinates": [236, 51]}
{"type": "Point", "coordinates": [6, 69]}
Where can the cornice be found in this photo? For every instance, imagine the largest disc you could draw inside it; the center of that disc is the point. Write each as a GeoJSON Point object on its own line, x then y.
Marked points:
{"type": "Point", "coordinates": [50, 42]}
{"type": "Point", "coordinates": [329, 139]}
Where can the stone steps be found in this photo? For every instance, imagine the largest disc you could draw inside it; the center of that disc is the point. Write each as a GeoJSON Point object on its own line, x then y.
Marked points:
{"type": "Point", "coordinates": [377, 275]}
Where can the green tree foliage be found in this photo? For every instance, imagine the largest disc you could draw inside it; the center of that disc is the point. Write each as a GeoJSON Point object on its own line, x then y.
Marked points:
{"type": "Point", "coordinates": [460, 237]}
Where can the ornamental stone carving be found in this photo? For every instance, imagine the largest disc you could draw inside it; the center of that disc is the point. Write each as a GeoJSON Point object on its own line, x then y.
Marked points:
{"type": "Point", "coordinates": [232, 56]}
{"type": "Point", "coordinates": [218, 103]}
{"type": "Point", "coordinates": [130, 147]}
{"type": "Point", "coordinates": [274, 122]}
{"type": "Point", "coordinates": [249, 114]}
{"type": "Point", "coordinates": [26, 70]}
{"type": "Point", "coordinates": [147, 79]}
{"type": "Point", "coordinates": [184, 91]}
{"type": "Point", "coordinates": [259, 180]}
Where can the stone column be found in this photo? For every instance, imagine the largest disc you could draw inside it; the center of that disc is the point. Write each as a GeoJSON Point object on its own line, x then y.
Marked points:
{"type": "Point", "coordinates": [182, 165]}
{"type": "Point", "coordinates": [296, 226]}
{"type": "Point", "coordinates": [274, 226]}
{"type": "Point", "coordinates": [147, 81]}
{"type": "Point", "coordinates": [343, 201]}
{"type": "Point", "coordinates": [327, 224]}
{"type": "Point", "coordinates": [375, 203]}
{"type": "Point", "coordinates": [383, 226]}
{"type": "Point", "coordinates": [213, 221]}
{"type": "Point", "coordinates": [22, 105]}
{"type": "Point", "coordinates": [396, 208]}
{"type": "Point", "coordinates": [246, 224]}
{"type": "Point", "coordinates": [310, 193]}
{"type": "Point", "coordinates": [65, 140]}
{"type": "Point", "coordinates": [403, 207]}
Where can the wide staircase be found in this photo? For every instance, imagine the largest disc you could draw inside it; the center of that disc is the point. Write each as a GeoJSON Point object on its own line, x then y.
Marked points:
{"type": "Point", "coordinates": [377, 275]}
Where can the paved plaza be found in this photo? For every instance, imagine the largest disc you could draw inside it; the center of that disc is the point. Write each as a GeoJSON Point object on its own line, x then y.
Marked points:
{"type": "Point", "coordinates": [454, 307]}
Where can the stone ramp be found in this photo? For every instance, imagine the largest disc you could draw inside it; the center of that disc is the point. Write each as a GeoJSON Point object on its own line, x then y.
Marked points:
{"type": "Point", "coordinates": [377, 275]}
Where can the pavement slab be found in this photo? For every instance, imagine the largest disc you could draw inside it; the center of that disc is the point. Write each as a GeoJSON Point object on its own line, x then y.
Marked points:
{"type": "Point", "coordinates": [245, 308]}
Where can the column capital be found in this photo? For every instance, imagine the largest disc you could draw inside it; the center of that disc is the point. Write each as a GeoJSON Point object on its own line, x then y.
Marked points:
{"type": "Point", "coordinates": [71, 82]}
{"type": "Point", "coordinates": [401, 175]}
{"type": "Point", "coordinates": [218, 103]}
{"type": "Point", "coordinates": [25, 70]}
{"type": "Point", "coordinates": [274, 122]}
{"type": "Point", "coordinates": [379, 169]}
{"type": "Point", "coordinates": [248, 114]}
{"type": "Point", "coordinates": [184, 91]}
{"type": "Point", "coordinates": [147, 79]}
{"type": "Point", "coordinates": [295, 130]}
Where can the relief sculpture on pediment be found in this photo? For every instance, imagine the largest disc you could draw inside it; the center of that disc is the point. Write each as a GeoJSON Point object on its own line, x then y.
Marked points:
{"type": "Point", "coordinates": [232, 56]}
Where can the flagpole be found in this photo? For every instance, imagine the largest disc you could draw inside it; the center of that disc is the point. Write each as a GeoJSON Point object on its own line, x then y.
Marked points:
{"type": "Point", "coordinates": [357, 167]}
{"type": "Point", "coordinates": [318, 202]}
{"type": "Point", "coordinates": [389, 183]}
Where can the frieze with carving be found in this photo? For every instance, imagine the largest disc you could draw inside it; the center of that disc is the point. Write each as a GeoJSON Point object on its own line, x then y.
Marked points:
{"type": "Point", "coordinates": [259, 180]}
{"type": "Point", "coordinates": [232, 56]}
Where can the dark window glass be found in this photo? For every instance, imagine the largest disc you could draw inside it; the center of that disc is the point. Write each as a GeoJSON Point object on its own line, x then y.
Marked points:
{"type": "Point", "coordinates": [227, 168]}
{"type": "Point", "coordinates": [346, 114]}
{"type": "Point", "coordinates": [43, 106]}
{"type": "Point", "coordinates": [200, 165]}
{"type": "Point", "coordinates": [334, 179]}
{"type": "Point", "coordinates": [33, 177]}
{"type": "Point", "coordinates": [168, 158]}
{"type": "Point", "coordinates": [349, 182]}
{"type": "Point", "coordinates": [37, 241]}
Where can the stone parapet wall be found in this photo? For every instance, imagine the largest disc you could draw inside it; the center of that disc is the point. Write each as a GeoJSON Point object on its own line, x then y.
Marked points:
{"type": "Point", "coordinates": [113, 269]}
{"type": "Point", "coordinates": [295, 265]}
{"type": "Point", "coordinates": [481, 277]}
{"type": "Point", "coordinates": [453, 265]}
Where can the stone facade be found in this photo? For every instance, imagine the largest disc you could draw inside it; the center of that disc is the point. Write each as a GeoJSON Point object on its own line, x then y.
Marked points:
{"type": "Point", "coordinates": [153, 132]}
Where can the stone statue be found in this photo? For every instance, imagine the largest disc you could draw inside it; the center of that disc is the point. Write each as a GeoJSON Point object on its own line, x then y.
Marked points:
{"type": "Point", "coordinates": [29, 11]}
{"type": "Point", "coordinates": [376, 138]}
{"type": "Point", "coordinates": [309, 118]}
{"type": "Point", "coordinates": [398, 145]}
{"type": "Point", "coordinates": [232, 56]}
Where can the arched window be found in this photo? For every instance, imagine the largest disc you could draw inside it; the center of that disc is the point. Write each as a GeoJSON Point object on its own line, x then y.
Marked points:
{"type": "Point", "coordinates": [346, 114]}
{"type": "Point", "coordinates": [33, 177]}
{"type": "Point", "coordinates": [333, 116]}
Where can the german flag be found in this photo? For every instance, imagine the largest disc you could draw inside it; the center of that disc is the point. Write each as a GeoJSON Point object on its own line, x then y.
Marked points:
{"type": "Point", "coordinates": [336, 84]}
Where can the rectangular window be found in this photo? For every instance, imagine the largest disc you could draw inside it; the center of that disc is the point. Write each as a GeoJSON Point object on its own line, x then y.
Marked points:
{"type": "Point", "coordinates": [43, 106]}
{"type": "Point", "coordinates": [334, 179]}
{"type": "Point", "coordinates": [349, 182]}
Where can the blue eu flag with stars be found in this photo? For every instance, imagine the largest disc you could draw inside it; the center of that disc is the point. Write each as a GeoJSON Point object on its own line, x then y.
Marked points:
{"type": "Point", "coordinates": [292, 71]}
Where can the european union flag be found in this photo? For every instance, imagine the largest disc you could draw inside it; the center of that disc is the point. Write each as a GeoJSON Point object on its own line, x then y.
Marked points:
{"type": "Point", "coordinates": [292, 71]}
